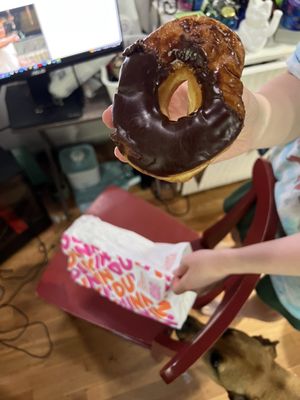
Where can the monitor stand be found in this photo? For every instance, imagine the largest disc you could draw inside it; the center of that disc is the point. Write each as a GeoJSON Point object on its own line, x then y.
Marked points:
{"type": "Point", "coordinates": [30, 104]}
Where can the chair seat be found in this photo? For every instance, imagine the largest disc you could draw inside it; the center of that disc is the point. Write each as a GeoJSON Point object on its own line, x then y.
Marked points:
{"type": "Point", "coordinates": [121, 208]}
{"type": "Point", "coordinates": [125, 210]}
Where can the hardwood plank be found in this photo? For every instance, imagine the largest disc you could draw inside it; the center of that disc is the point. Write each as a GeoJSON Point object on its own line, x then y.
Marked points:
{"type": "Point", "coordinates": [88, 363]}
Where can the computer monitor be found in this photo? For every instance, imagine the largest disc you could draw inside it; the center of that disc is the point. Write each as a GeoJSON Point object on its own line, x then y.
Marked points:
{"type": "Point", "coordinates": [40, 35]}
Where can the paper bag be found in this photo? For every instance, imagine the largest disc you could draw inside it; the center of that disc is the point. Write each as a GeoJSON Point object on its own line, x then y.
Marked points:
{"type": "Point", "coordinates": [127, 268]}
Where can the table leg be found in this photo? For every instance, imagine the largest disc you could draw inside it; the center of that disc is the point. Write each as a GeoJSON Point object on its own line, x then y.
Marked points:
{"type": "Point", "coordinates": [54, 172]}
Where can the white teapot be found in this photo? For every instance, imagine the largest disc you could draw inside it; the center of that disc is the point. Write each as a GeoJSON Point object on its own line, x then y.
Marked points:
{"type": "Point", "coordinates": [256, 28]}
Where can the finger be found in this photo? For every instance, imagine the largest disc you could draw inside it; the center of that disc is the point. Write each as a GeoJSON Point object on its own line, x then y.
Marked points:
{"type": "Point", "coordinates": [119, 155]}
{"type": "Point", "coordinates": [181, 270]}
{"type": "Point", "coordinates": [178, 283]}
{"type": "Point", "coordinates": [179, 103]}
{"type": "Point", "coordinates": [178, 286]}
{"type": "Point", "coordinates": [107, 117]}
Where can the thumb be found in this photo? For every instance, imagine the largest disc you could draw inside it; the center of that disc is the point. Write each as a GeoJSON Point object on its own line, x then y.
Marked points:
{"type": "Point", "coordinates": [107, 117]}
{"type": "Point", "coordinates": [181, 270]}
{"type": "Point", "coordinates": [178, 281]}
{"type": "Point", "coordinates": [119, 155]}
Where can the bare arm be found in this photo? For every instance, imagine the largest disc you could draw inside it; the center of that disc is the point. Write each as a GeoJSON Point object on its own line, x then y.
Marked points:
{"type": "Point", "coordinates": [276, 257]}
{"type": "Point", "coordinates": [272, 116]}
{"type": "Point", "coordinates": [202, 269]}
{"type": "Point", "coordinates": [7, 40]}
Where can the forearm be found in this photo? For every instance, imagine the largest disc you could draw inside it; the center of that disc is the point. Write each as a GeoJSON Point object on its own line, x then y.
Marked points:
{"type": "Point", "coordinates": [5, 41]}
{"type": "Point", "coordinates": [274, 119]}
{"type": "Point", "coordinates": [275, 257]}
{"type": "Point", "coordinates": [272, 116]}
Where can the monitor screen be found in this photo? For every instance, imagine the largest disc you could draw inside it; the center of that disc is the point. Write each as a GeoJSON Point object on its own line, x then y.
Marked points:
{"type": "Point", "coordinates": [45, 33]}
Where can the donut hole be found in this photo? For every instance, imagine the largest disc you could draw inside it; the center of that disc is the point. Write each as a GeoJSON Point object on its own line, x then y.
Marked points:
{"type": "Point", "coordinates": [180, 94]}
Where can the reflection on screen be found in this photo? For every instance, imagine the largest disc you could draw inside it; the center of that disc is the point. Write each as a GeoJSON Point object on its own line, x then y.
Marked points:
{"type": "Point", "coordinates": [37, 33]}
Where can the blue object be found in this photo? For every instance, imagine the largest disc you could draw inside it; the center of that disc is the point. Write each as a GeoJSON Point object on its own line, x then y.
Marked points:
{"type": "Point", "coordinates": [291, 15]}
{"type": "Point", "coordinates": [88, 179]}
{"type": "Point", "coordinates": [77, 159]}
{"type": "Point", "coordinates": [30, 166]}
{"type": "Point", "coordinates": [112, 173]}
{"type": "Point", "coordinates": [197, 4]}
{"type": "Point", "coordinates": [80, 165]}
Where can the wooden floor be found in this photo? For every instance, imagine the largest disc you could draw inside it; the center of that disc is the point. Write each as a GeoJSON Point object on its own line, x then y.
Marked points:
{"type": "Point", "coordinates": [89, 363]}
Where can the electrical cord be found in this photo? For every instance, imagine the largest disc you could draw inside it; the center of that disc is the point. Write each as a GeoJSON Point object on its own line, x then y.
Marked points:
{"type": "Point", "coordinates": [7, 341]}
{"type": "Point", "coordinates": [4, 128]}
{"type": "Point", "coordinates": [157, 191]}
{"type": "Point", "coordinates": [30, 276]}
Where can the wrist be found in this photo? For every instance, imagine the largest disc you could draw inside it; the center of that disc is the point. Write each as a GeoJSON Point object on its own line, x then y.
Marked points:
{"type": "Point", "coordinates": [256, 119]}
{"type": "Point", "coordinates": [253, 259]}
{"type": "Point", "coordinates": [230, 261]}
{"type": "Point", "coordinates": [235, 261]}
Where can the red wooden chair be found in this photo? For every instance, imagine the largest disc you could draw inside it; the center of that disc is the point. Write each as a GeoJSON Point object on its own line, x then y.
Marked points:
{"type": "Point", "coordinates": [128, 211]}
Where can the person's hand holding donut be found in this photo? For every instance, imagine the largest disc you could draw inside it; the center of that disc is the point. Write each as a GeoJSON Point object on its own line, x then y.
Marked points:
{"type": "Point", "coordinates": [179, 103]}
{"type": "Point", "coordinates": [177, 108]}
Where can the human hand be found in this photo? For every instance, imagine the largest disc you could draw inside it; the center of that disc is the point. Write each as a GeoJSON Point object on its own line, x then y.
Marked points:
{"type": "Point", "coordinates": [107, 119]}
{"type": "Point", "coordinates": [4, 41]}
{"type": "Point", "coordinates": [178, 108]}
{"type": "Point", "coordinates": [201, 270]}
{"type": "Point", "coordinates": [14, 37]}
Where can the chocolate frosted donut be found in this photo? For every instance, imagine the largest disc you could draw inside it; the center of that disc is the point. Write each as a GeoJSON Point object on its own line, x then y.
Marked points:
{"type": "Point", "coordinates": [210, 57]}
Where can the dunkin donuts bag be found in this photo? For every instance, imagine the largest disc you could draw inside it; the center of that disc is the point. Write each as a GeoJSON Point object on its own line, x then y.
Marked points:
{"type": "Point", "coordinates": [127, 268]}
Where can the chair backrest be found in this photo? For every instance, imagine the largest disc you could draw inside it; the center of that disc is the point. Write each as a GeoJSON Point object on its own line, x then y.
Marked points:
{"type": "Point", "coordinates": [264, 224]}
{"type": "Point", "coordinates": [265, 221]}
{"type": "Point", "coordinates": [237, 288]}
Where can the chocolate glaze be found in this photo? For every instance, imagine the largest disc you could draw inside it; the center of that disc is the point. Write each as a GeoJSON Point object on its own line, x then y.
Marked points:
{"type": "Point", "coordinates": [147, 137]}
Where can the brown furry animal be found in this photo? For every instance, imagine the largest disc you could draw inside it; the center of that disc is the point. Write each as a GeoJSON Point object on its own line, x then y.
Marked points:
{"type": "Point", "coordinates": [245, 366]}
